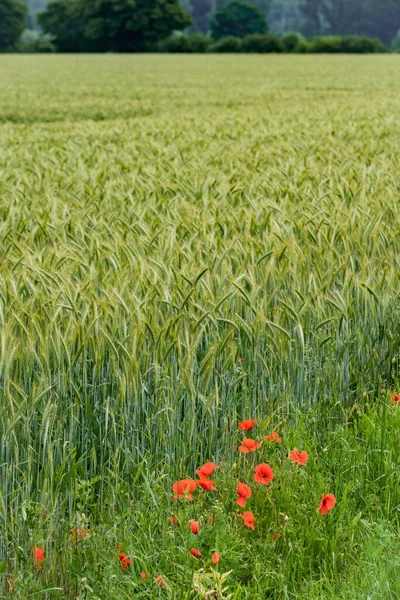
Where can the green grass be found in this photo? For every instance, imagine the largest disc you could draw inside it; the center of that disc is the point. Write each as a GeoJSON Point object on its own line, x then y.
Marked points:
{"type": "Point", "coordinates": [162, 217]}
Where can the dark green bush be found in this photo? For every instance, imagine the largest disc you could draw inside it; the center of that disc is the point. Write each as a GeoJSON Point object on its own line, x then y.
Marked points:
{"type": "Point", "coordinates": [304, 47]}
{"type": "Point", "coordinates": [361, 44]}
{"type": "Point", "coordinates": [227, 44]}
{"type": "Point", "coordinates": [291, 40]}
{"type": "Point", "coordinates": [327, 44]}
{"type": "Point", "coordinates": [195, 43]}
{"type": "Point", "coordinates": [262, 44]}
{"type": "Point", "coordinates": [352, 44]}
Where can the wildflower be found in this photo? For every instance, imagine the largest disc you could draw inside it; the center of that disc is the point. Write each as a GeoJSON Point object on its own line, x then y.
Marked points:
{"type": "Point", "coordinates": [275, 536]}
{"type": "Point", "coordinates": [195, 553]}
{"type": "Point", "coordinates": [160, 581]}
{"type": "Point", "coordinates": [184, 488]}
{"type": "Point", "coordinates": [263, 474]}
{"type": "Point", "coordinates": [326, 504]}
{"type": "Point", "coordinates": [298, 457]}
{"type": "Point", "coordinates": [248, 519]}
{"type": "Point", "coordinates": [125, 560]}
{"type": "Point", "coordinates": [206, 484]}
{"type": "Point", "coordinates": [272, 437]}
{"type": "Point", "coordinates": [248, 445]}
{"type": "Point", "coordinates": [206, 470]}
{"type": "Point", "coordinates": [195, 527]}
{"type": "Point", "coordinates": [216, 558]}
{"type": "Point", "coordinates": [39, 556]}
{"type": "Point", "coordinates": [244, 493]}
{"type": "Point", "coordinates": [174, 521]}
{"type": "Point", "coordinates": [247, 424]}
{"type": "Point", "coordinates": [144, 575]}
{"type": "Point", "coordinates": [395, 399]}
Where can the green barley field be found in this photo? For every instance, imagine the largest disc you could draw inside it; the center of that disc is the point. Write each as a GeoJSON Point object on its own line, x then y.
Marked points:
{"type": "Point", "coordinates": [187, 242]}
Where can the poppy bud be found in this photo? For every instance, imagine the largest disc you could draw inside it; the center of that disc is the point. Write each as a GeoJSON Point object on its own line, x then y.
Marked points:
{"type": "Point", "coordinates": [195, 527]}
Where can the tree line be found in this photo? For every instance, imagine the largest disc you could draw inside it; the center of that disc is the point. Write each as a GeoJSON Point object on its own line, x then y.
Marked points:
{"type": "Point", "coordinates": [151, 25]}
{"type": "Point", "coordinates": [375, 18]}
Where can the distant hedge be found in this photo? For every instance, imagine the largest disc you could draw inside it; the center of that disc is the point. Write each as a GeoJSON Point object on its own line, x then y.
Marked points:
{"type": "Point", "coordinates": [267, 44]}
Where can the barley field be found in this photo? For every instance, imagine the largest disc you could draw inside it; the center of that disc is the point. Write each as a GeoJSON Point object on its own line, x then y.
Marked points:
{"type": "Point", "coordinates": [188, 242]}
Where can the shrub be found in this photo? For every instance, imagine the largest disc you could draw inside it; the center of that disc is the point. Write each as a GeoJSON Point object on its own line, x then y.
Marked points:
{"type": "Point", "coordinates": [329, 45]}
{"type": "Point", "coordinates": [238, 19]}
{"type": "Point", "coordinates": [361, 44]}
{"type": "Point", "coordinates": [227, 44]}
{"type": "Point", "coordinates": [196, 43]}
{"type": "Point", "coordinates": [32, 41]}
{"type": "Point", "coordinates": [291, 40]}
{"type": "Point", "coordinates": [262, 44]}
{"type": "Point", "coordinates": [304, 47]}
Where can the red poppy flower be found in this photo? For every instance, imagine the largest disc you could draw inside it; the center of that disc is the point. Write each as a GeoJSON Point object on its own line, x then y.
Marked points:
{"type": "Point", "coordinates": [39, 556]}
{"type": "Point", "coordinates": [195, 553]}
{"type": "Point", "coordinates": [206, 484]}
{"type": "Point", "coordinates": [263, 474]}
{"type": "Point", "coordinates": [160, 581]}
{"type": "Point", "coordinates": [272, 437]}
{"type": "Point", "coordinates": [395, 398]}
{"type": "Point", "coordinates": [216, 557]}
{"type": "Point", "coordinates": [206, 470]}
{"type": "Point", "coordinates": [174, 521]}
{"type": "Point", "coordinates": [195, 527]}
{"type": "Point", "coordinates": [249, 445]}
{"type": "Point", "coordinates": [125, 560]}
{"type": "Point", "coordinates": [275, 536]}
{"type": "Point", "coordinates": [248, 519]}
{"type": "Point", "coordinates": [326, 504]}
{"type": "Point", "coordinates": [299, 457]}
{"type": "Point", "coordinates": [144, 575]}
{"type": "Point", "coordinates": [184, 489]}
{"type": "Point", "coordinates": [247, 424]}
{"type": "Point", "coordinates": [244, 493]}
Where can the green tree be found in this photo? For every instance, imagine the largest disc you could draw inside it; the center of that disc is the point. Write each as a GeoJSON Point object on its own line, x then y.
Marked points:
{"type": "Point", "coordinates": [13, 21]}
{"type": "Point", "coordinates": [112, 25]}
{"type": "Point", "coordinates": [238, 19]}
{"type": "Point", "coordinates": [132, 25]}
{"type": "Point", "coordinates": [64, 20]}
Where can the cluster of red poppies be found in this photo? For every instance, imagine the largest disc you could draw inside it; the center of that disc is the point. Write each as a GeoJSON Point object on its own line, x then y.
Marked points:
{"type": "Point", "coordinates": [263, 474]}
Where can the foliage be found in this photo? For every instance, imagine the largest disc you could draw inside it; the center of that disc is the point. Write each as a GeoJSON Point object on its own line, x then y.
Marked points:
{"type": "Point", "coordinates": [291, 40]}
{"type": "Point", "coordinates": [187, 244]}
{"type": "Point", "coordinates": [195, 43]}
{"type": "Point", "coordinates": [228, 44]}
{"type": "Point", "coordinates": [361, 44]}
{"type": "Point", "coordinates": [34, 42]}
{"type": "Point", "coordinates": [352, 44]}
{"type": "Point", "coordinates": [262, 43]}
{"type": "Point", "coordinates": [12, 22]}
{"type": "Point", "coordinates": [64, 20]}
{"type": "Point", "coordinates": [112, 25]}
{"type": "Point", "coordinates": [237, 19]}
